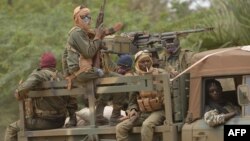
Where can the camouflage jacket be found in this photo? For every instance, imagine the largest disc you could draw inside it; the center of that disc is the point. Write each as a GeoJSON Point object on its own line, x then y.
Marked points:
{"type": "Point", "coordinates": [176, 62]}
{"type": "Point", "coordinates": [46, 107]}
{"type": "Point", "coordinates": [78, 43]}
{"type": "Point", "coordinates": [213, 117]}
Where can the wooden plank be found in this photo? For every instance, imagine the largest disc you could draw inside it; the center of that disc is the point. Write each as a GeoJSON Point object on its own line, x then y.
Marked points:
{"type": "Point", "coordinates": [21, 134]}
{"type": "Point", "coordinates": [86, 130]}
{"type": "Point", "coordinates": [158, 129]}
{"type": "Point", "coordinates": [72, 131]}
{"type": "Point", "coordinates": [135, 83]}
{"type": "Point", "coordinates": [57, 84]}
{"type": "Point", "coordinates": [125, 79]}
{"type": "Point", "coordinates": [57, 92]}
{"type": "Point", "coordinates": [92, 101]}
{"type": "Point", "coordinates": [167, 101]}
{"type": "Point", "coordinates": [123, 88]}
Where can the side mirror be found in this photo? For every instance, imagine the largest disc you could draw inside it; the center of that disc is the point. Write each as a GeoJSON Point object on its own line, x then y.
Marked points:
{"type": "Point", "coordinates": [243, 93]}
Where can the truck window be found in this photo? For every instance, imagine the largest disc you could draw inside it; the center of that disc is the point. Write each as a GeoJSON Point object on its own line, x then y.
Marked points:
{"type": "Point", "coordinates": [229, 90]}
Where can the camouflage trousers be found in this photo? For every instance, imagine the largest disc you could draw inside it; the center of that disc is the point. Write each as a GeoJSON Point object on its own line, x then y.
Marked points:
{"type": "Point", "coordinates": [94, 74]}
{"type": "Point", "coordinates": [32, 124]}
{"type": "Point", "coordinates": [147, 120]}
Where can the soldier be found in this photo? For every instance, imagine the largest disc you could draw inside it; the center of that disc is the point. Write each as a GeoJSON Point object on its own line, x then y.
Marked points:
{"type": "Point", "coordinates": [140, 113]}
{"type": "Point", "coordinates": [218, 110]}
{"type": "Point", "coordinates": [124, 67]}
{"type": "Point", "coordinates": [175, 59]}
{"type": "Point", "coordinates": [46, 112]}
{"type": "Point", "coordinates": [82, 46]}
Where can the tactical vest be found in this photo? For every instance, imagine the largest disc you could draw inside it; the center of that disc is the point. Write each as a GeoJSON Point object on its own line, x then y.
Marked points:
{"type": "Point", "coordinates": [31, 110]}
{"type": "Point", "coordinates": [149, 101]}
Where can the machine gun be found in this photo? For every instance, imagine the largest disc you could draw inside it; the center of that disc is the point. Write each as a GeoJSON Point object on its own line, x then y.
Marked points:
{"type": "Point", "coordinates": [132, 42]}
{"type": "Point", "coordinates": [143, 40]}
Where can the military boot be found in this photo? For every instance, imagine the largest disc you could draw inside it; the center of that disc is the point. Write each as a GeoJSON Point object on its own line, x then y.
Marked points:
{"type": "Point", "coordinates": [115, 116]}
{"type": "Point", "coordinates": [72, 119]}
{"type": "Point", "coordinates": [100, 119]}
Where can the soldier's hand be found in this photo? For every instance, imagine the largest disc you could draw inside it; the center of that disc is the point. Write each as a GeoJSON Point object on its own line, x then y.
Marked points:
{"type": "Point", "coordinates": [99, 32]}
{"type": "Point", "coordinates": [174, 73]}
{"type": "Point", "coordinates": [132, 113]}
{"type": "Point", "coordinates": [118, 26]}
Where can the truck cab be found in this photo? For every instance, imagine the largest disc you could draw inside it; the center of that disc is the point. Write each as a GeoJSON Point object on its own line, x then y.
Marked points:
{"type": "Point", "coordinates": [230, 66]}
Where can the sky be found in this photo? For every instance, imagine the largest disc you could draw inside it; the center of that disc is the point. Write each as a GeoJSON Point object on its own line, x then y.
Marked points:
{"type": "Point", "coordinates": [199, 3]}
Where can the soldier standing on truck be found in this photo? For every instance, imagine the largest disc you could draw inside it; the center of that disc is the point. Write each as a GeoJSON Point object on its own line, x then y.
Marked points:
{"type": "Point", "coordinates": [45, 112]}
{"type": "Point", "coordinates": [218, 110]}
{"type": "Point", "coordinates": [82, 45]}
{"type": "Point", "coordinates": [146, 107]}
{"type": "Point", "coordinates": [175, 59]}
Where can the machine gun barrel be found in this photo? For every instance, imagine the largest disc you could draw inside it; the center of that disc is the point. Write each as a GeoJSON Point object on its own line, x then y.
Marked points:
{"type": "Point", "coordinates": [146, 39]}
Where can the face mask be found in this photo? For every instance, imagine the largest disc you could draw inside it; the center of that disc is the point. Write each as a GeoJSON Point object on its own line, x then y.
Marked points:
{"type": "Point", "coordinates": [86, 19]}
{"type": "Point", "coordinates": [122, 70]}
{"type": "Point", "coordinates": [171, 48]}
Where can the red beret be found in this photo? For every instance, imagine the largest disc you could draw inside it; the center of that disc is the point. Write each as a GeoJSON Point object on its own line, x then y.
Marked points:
{"type": "Point", "coordinates": [48, 60]}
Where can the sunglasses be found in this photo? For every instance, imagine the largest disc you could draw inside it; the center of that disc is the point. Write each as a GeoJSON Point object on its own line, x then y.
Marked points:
{"type": "Point", "coordinates": [86, 17]}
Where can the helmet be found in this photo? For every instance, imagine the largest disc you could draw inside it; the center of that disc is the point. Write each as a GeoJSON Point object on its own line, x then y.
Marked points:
{"type": "Point", "coordinates": [125, 60]}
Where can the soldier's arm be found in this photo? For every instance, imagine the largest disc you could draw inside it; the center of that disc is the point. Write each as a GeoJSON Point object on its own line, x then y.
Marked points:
{"type": "Point", "coordinates": [86, 47]}
{"type": "Point", "coordinates": [133, 101]}
{"type": "Point", "coordinates": [213, 118]}
{"type": "Point", "coordinates": [31, 82]}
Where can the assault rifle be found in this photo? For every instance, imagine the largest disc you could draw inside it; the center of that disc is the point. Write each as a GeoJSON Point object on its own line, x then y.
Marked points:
{"type": "Point", "coordinates": [99, 21]}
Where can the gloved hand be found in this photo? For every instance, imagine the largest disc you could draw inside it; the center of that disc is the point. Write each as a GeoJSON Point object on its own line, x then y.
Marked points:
{"type": "Point", "coordinates": [99, 32]}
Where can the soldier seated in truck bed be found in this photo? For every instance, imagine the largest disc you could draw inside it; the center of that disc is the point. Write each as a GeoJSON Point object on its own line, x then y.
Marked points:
{"type": "Point", "coordinates": [145, 108]}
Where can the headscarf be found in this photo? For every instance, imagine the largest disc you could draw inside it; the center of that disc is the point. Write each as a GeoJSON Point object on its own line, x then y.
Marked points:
{"type": "Point", "coordinates": [142, 55]}
{"type": "Point", "coordinates": [78, 12]}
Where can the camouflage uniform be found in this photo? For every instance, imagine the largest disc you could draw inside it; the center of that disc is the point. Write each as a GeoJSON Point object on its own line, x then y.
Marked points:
{"type": "Point", "coordinates": [213, 117]}
{"type": "Point", "coordinates": [147, 118]}
{"type": "Point", "coordinates": [178, 61]}
{"type": "Point", "coordinates": [175, 63]}
{"type": "Point", "coordinates": [48, 112]}
{"type": "Point", "coordinates": [79, 44]}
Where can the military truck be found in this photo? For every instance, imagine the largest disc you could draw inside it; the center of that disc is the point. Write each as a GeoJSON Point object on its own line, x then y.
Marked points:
{"type": "Point", "coordinates": [184, 117]}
